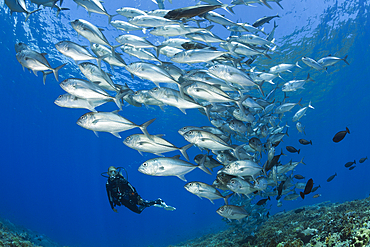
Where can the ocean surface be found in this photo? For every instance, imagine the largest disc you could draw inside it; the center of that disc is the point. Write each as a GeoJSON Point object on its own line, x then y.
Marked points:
{"type": "Point", "coordinates": [50, 167]}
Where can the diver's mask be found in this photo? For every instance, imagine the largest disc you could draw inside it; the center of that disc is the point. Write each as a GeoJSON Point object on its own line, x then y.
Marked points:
{"type": "Point", "coordinates": [112, 172]}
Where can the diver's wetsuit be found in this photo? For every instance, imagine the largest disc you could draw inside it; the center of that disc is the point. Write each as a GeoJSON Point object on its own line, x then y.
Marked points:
{"type": "Point", "coordinates": [120, 192]}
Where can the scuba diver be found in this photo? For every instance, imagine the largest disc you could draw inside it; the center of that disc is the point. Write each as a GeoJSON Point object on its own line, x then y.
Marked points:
{"type": "Point", "coordinates": [121, 192]}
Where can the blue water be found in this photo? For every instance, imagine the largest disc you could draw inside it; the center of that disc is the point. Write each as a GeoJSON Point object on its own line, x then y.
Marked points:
{"type": "Point", "coordinates": [50, 167]}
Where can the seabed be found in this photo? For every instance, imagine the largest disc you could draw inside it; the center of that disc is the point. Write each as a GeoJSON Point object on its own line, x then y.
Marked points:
{"type": "Point", "coordinates": [324, 224]}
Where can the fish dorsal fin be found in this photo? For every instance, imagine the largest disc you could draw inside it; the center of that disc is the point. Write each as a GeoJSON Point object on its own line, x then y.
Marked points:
{"type": "Point", "coordinates": [101, 29]}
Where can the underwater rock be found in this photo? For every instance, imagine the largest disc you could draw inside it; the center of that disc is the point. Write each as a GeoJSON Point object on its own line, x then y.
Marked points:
{"type": "Point", "coordinates": [323, 224]}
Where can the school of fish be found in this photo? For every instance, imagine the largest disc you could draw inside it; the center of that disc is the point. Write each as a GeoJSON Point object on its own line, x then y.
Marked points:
{"type": "Point", "coordinates": [192, 68]}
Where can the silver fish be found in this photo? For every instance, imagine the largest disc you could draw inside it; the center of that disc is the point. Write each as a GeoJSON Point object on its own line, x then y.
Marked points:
{"type": "Point", "coordinates": [242, 168]}
{"type": "Point", "coordinates": [91, 33]}
{"type": "Point", "coordinates": [35, 61]}
{"type": "Point", "coordinates": [94, 6]}
{"type": "Point", "coordinates": [301, 112]}
{"type": "Point", "coordinates": [312, 63]}
{"type": "Point", "coordinates": [172, 97]}
{"type": "Point", "coordinates": [71, 101]}
{"type": "Point", "coordinates": [75, 51]}
{"type": "Point", "coordinates": [129, 12]}
{"type": "Point", "coordinates": [197, 56]}
{"type": "Point", "coordinates": [107, 56]}
{"type": "Point", "coordinates": [98, 76]}
{"type": "Point", "coordinates": [165, 166]}
{"type": "Point", "coordinates": [233, 75]}
{"type": "Point", "coordinates": [125, 26]}
{"type": "Point", "coordinates": [87, 90]}
{"type": "Point", "coordinates": [151, 21]}
{"type": "Point", "coordinates": [201, 189]}
{"type": "Point", "coordinates": [155, 145]}
{"type": "Point", "coordinates": [329, 61]}
{"type": "Point", "coordinates": [232, 212]}
{"type": "Point", "coordinates": [110, 122]}
{"type": "Point", "coordinates": [240, 186]}
{"type": "Point", "coordinates": [19, 6]}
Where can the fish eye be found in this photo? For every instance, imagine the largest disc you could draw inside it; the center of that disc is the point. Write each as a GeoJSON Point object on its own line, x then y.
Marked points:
{"type": "Point", "coordinates": [145, 164]}
{"type": "Point", "coordinates": [190, 132]}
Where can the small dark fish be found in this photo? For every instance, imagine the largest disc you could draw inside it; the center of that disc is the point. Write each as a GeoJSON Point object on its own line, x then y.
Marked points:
{"type": "Point", "coordinates": [273, 162]}
{"type": "Point", "coordinates": [315, 188]}
{"type": "Point", "coordinates": [316, 196]}
{"type": "Point", "coordinates": [299, 210]}
{"type": "Point", "coordinates": [331, 177]}
{"type": "Point", "coordinates": [297, 176]}
{"type": "Point", "coordinates": [264, 20]}
{"type": "Point", "coordinates": [307, 189]}
{"type": "Point", "coordinates": [348, 164]}
{"type": "Point", "coordinates": [268, 214]}
{"type": "Point", "coordinates": [362, 160]}
{"type": "Point", "coordinates": [262, 201]}
{"type": "Point", "coordinates": [189, 12]}
{"type": "Point", "coordinates": [340, 135]}
{"type": "Point", "coordinates": [292, 149]}
{"type": "Point", "coordinates": [280, 189]}
{"type": "Point", "coordinates": [304, 142]}
{"type": "Point", "coordinates": [351, 168]}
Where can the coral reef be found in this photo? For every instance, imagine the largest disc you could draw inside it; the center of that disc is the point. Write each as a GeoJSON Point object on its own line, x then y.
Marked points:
{"type": "Point", "coordinates": [16, 236]}
{"type": "Point", "coordinates": [324, 224]}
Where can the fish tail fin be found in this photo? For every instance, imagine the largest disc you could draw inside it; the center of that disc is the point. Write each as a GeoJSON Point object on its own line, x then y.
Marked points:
{"type": "Point", "coordinates": [229, 8]}
{"type": "Point", "coordinates": [260, 88]}
{"type": "Point", "coordinates": [299, 102]}
{"type": "Point", "coordinates": [310, 142]}
{"type": "Point", "coordinates": [299, 151]}
{"type": "Point", "coordinates": [202, 167]}
{"type": "Point", "coordinates": [354, 161]}
{"type": "Point", "coordinates": [144, 130]}
{"type": "Point", "coordinates": [227, 197]}
{"type": "Point", "coordinates": [345, 59]}
{"type": "Point", "coordinates": [209, 27]}
{"type": "Point", "coordinates": [297, 64]}
{"type": "Point", "coordinates": [348, 130]}
{"type": "Point", "coordinates": [310, 106]}
{"type": "Point", "coordinates": [302, 194]}
{"type": "Point", "coordinates": [55, 71]}
{"type": "Point", "coordinates": [117, 99]}
{"type": "Point", "coordinates": [157, 49]}
{"type": "Point", "coordinates": [265, 3]}
{"type": "Point", "coordinates": [60, 9]}
{"type": "Point", "coordinates": [207, 110]}
{"type": "Point", "coordinates": [287, 132]}
{"type": "Point", "coordinates": [302, 161]}
{"type": "Point", "coordinates": [29, 13]}
{"type": "Point", "coordinates": [100, 58]}
{"type": "Point", "coordinates": [113, 49]}
{"type": "Point", "coordinates": [236, 151]}
{"type": "Point", "coordinates": [183, 150]}
{"type": "Point", "coordinates": [309, 78]}
{"type": "Point", "coordinates": [44, 74]}
{"type": "Point", "coordinates": [110, 18]}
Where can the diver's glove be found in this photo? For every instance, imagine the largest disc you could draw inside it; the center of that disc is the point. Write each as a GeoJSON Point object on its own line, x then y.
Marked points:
{"type": "Point", "coordinates": [161, 204]}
